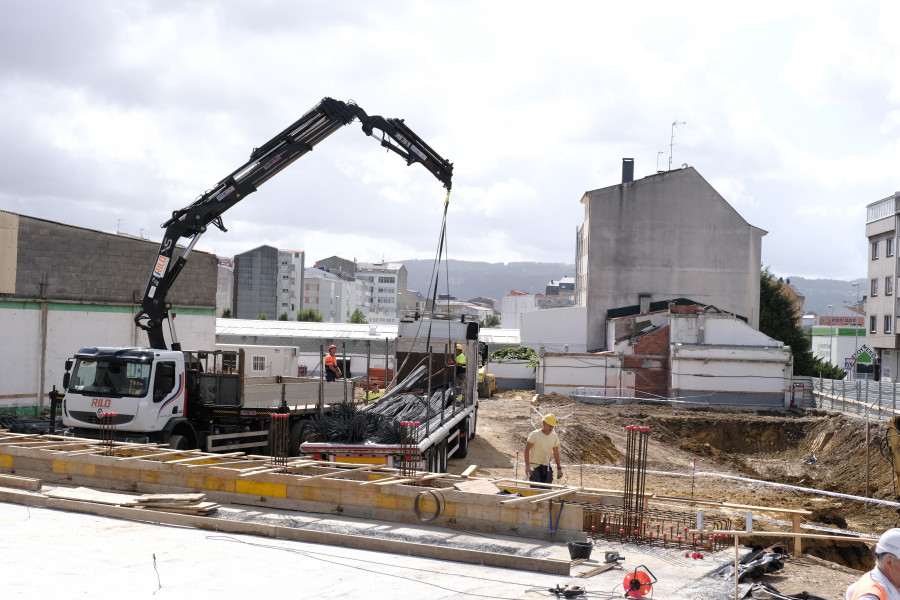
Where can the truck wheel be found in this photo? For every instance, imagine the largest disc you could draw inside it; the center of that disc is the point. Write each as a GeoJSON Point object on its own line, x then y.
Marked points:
{"type": "Point", "coordinates": [463, 435]}
{"type": "Point", "coordinates": [442, 457]}
{"type": "Point", "coordinates": [178, 442]}
{"type": "Point", "coordinates": [295, 437]}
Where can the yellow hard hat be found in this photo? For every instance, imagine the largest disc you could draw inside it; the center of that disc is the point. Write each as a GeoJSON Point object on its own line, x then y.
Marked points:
{"type": "Point", "coordinates": [459, 346]}
{"type": "Point", "coordinates": [550, 419]}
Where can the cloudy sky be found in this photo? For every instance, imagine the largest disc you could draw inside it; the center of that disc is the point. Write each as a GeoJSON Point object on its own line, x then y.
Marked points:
{"type": "Point", "coordinates": [113, 114]}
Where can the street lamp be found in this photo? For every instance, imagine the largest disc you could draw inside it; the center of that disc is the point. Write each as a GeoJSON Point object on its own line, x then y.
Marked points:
{"type": "Point", "coordinates": [855, 327]}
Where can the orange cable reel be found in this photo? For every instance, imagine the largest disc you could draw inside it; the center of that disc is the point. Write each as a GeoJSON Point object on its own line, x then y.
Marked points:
{"type": "Point", "coordinates": [639, 583]}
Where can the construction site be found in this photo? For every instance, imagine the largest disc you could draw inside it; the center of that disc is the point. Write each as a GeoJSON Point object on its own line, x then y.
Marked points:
{"type": "Point", "coordinates": [652, 501]}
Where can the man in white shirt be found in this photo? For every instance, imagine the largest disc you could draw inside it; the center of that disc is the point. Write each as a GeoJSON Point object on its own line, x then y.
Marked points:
{"type": "Point", "coordinates": [882, 582]}
{"type": "Point", "coordinates": [543, 444]}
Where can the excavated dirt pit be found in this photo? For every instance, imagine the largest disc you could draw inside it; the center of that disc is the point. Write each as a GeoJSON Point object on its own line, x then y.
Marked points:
{"type": "Point", "coordinates": [815, 449]}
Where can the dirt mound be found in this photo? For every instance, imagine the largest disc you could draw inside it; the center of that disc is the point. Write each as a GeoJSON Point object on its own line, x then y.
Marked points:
{"type": "Point", "coordinates": [582, 445]}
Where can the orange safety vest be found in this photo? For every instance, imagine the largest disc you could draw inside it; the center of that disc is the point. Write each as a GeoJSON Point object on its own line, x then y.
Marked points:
{"type": "Point", "coordinates": [331, 361]}
{"type": "Point", "coordinates": [866, 585]}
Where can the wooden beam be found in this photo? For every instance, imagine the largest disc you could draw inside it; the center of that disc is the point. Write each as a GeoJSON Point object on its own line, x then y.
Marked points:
{"type": "Point", "coordinates": [470, 472]}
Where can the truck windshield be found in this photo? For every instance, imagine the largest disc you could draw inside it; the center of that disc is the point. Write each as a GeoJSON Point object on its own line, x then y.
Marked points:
{"type": "Point", "coordinates": [110, 377]}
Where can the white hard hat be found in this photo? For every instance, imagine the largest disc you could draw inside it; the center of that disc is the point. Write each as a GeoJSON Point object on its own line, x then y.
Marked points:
{"type": "Point", "coordinates": [889, 542]}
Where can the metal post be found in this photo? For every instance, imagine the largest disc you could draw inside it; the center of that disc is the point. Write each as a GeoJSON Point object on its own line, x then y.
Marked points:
{"type": "Point", "coordinates": [320, 407]}
{"type": "Point", "coordinates": [855, 329]}
{"type": "Point", "coordinates": [343, 371]}
{"type": "Point", "coordinates": [387, 353]}
{"type": "Point", "coordinates": [428, 398]}
{"type": "Point", "coordinates": [368, 360]}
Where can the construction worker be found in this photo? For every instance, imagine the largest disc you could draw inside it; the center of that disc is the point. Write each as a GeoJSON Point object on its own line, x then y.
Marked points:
{"type": "Point", "coordinates": [332, 371]}
{"type": "Point", "coordinates": [882, 582]}
{"type": "Point", "coordinates": [542, 444]}
{"type": "Point", "coordinates": [460, 363]}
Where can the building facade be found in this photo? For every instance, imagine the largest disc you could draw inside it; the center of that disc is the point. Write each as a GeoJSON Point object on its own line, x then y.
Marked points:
{"type": "Point", "coordinates": [389, 295]}
{"type": "Point", "coordinates": [290, 282]}
{"type": "Point", "coordinates": [881, 304]}
{"type": "Point", "coordinates": [63, 288]}
{"type": "Point", "coordinates": [665, 236]}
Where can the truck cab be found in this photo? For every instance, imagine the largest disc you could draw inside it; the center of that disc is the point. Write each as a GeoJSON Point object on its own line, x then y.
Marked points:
{"type": "Point", "coordinates": [144, 389]}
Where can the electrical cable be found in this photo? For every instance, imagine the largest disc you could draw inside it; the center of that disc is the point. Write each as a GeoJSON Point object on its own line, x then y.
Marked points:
{"type": "Point", "coordinates": [312, 555]}
{"type": "Point", "coordinates": [438, 509]}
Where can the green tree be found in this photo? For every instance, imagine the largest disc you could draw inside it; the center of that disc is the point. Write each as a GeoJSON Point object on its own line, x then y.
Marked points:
{"type": "Point", "coordinates": [358, 317]}
{"type": "Point", "coordinates": [778, 319]}
{"type": "Point", "coordinates": [283, 316]}
{"type": "Point", "coordinates": [262, 317]}
{"type": "Point", "coordinates": [491, 321]}
{"type": "Point", "coordinates": [227, 314]}
{"type": "Point", "coordinates": [309, 314]}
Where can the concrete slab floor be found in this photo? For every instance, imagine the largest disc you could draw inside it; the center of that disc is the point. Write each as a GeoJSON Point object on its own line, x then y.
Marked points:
{"type": "Point", "coordinates": [51, 553]}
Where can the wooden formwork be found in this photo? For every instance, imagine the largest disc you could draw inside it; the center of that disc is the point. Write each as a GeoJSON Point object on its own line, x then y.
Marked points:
{"type": "Point", "coordinates": [365, 491]}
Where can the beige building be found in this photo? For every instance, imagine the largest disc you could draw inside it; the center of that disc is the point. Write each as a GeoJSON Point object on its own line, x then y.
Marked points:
{"type": "Point", "coordinates": [667, 236]}
{"type": "Point", "coordinates": [881, 304]}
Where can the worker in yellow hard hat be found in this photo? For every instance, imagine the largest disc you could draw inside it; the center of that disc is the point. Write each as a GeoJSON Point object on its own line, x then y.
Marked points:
{"type": "Point", "coordinates": [460, 363]}
{"type": "Point", "coordinates": [542, 444]}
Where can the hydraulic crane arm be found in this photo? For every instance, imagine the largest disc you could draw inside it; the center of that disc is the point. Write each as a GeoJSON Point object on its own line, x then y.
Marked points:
{"type": "Point", "coordinates": [302, 136]}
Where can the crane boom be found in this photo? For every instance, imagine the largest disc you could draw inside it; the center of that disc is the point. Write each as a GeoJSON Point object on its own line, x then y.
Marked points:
{"type": "Point", "coordinates": [300, 137]}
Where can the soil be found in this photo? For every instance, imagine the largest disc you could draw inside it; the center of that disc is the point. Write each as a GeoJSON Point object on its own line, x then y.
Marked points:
{"type": "Point", "coordinates": [811, 449]}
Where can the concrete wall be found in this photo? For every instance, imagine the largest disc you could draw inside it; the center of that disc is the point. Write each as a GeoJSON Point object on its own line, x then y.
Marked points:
{"type": "Point", "coordinates": [513, 375]}
{"type": "Point", "coordinates": [739, 376]}
{"type": "Point", "coordinates": [77, 287]}
{"type": "Point", "coordinates": [555, 329]}
{"type": "Point", "coordinates": [667, 236]}
{"type": "Point", "coordinates": [512, 307]}
{"type": "Point", "coordinates": [584, 375]}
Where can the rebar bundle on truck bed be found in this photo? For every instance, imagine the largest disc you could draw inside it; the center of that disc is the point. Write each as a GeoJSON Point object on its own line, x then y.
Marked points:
{"type": "Point", "coordinates": [381, 423]}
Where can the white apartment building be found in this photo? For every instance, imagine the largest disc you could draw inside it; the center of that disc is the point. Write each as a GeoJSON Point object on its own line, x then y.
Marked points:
{"type": "Point", "coordinates": [333, 297]}
{"type": "Point", "coordinates": [388, 294]}
{"type": "Point", "coordinates": [289, 282]}
{"type": "Point", "coordinates": [881, 304]}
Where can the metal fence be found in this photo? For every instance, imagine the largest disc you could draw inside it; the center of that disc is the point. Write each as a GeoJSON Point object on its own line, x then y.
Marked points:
{"type": "Point", "coordinates": [874, 399]}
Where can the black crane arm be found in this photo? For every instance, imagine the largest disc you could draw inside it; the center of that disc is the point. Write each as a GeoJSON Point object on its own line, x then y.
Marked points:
{"type": "Point", "coordinates": [301, 137]}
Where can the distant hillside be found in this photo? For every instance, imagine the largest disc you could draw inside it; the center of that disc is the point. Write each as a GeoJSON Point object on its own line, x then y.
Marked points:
{"type": "Point", "coordinates": [470, 279]}
{"type": "Point", "coordinates": [819, 293]}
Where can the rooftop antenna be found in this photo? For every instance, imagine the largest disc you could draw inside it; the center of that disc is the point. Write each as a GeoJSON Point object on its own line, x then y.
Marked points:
{"type": "Point", "coordinates": [672, 140]}
{"type": "Point", "coordinates": [658, 154]}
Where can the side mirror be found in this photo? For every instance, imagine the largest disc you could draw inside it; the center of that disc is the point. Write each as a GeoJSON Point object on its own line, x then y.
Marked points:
{"type": "Point", "coordinates": [68, 364]}
{"type": "Point", "coordinates": [66, 378]}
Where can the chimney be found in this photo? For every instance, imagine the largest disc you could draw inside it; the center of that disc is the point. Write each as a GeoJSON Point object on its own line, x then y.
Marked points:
{"type": "Point", "coordinates": [627, 170]}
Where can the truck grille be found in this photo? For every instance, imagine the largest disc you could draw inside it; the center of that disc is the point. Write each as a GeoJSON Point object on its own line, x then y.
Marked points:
{"type": "Point", "coordinates": [92, 418]}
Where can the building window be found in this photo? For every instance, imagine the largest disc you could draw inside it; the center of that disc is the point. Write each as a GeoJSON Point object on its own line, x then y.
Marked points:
{"type": "Point", "coordinates": [887, 323]}
{"type": "Point", "coordinates": [385, 280]}
{"type": "Point", "coordinates": [875, 250]}
{"type": "Point", "coordinates": [889, 247]}
{"type": "Point", "coordinates": [888, 286]}
{"type": "Point", "coordinates": [873, 321]}
{"type": "Point", "coordinates": [874, 287]}
{"type": "Point", "coordinates": [259, 363]}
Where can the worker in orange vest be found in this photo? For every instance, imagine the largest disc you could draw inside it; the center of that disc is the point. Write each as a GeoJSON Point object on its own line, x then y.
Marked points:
{"type": "Point", "coordinates": [882, 582]}
{"type": "Point", "coordinates": [332, 371]}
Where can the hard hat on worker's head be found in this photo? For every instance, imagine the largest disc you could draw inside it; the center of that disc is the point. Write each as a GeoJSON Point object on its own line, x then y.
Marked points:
{"type": "Point", "coordinates": [459, 346]}
{"type": "Point", "coordinates": [332, 346]}
{"type": "Point", "coordinates": [889, 542]}
{"type": "Point", "coordinates": [550, 420]}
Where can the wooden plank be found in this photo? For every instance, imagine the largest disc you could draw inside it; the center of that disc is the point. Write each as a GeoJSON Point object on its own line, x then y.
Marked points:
{"type": "Point", "coordinates": [597, 570]}
{"type": "Point", "coordinates": [392, 481]}
{"type": "Point", "coordinates": [340, 472]}
{"type": "Point", "coordinates": [535, 500]}
{"type": "Point", "coordinates": [477, 486]}
{"type": "Point", "coordinates": [787, 534]}
{"type": "Point", "coordinates": [540, 497]}
{"type": "Point", "coordinates": [84, 494]}
{"type": "Point", "coordinates": [470, 472]}
{"type": "Point", "coordinates": [25, 483]}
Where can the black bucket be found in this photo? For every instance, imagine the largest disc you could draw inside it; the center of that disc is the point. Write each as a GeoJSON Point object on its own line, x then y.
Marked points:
{"type": "Point", "coordinates": [580, 550]}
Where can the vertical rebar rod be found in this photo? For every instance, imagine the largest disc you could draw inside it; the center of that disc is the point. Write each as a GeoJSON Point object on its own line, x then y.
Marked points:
{"type": "Point", "coordinates": [368, 369]}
